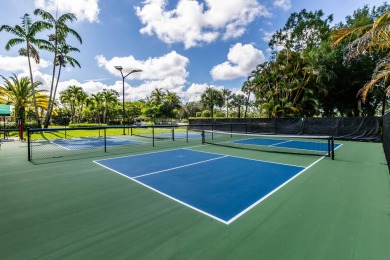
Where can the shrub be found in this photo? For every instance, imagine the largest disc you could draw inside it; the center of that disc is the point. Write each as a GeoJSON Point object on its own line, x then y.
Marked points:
{"type": "Point", "coordinates": [206, 113]}
{"type": "Point", "coordinates": [85, 125]}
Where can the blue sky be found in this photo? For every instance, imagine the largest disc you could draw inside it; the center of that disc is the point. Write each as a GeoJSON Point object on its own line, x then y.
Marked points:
{"type": "Point", "coordinates": [183, 46]}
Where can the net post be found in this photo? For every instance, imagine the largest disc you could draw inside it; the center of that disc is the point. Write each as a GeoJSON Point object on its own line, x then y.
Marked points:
{"type": "Point", "coordinates": [203, 137]}
{"type": "Point", "coordinates": [153, 135]}
{"type": "Point", "coordinates": [131, 131]}
{"type": "Point", "coordinates": [28, 144]}
{"type": "Point", "coordinates": [231, 130]}
{"type": "Point", "coordinates": [187, 133]}
{"type": "Point", "coordinates": [329, 146]}
{"type": "Point", "coordinates": [212, 132]}
{"type": "Point", "coordinates": [105, 140]}
{"type": "Point", "coordinates": [332, 140]}
{"type": "Point", "coordinates": [173, 134]}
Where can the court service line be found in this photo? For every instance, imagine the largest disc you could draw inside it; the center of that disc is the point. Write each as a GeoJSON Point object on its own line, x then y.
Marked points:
{"type": "Point", "coordinates": [174, 168]}
{"type": "Point", "coordinates": [271, 192]}
{"type": "Point", "coordinates": [280, 143]}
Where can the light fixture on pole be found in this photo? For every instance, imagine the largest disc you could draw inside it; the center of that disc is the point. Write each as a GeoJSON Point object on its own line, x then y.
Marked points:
{"type": "Point", "coordinates": [123, 90]}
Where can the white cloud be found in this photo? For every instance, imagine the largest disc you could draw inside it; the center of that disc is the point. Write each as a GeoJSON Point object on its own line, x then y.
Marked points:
{"type": "Point", "coordinates": [268, 36]}
{"type": "Point", "coordinates": [284, 4]}
{"type": "Point", "coordinates": [20, 64]}
{"type": "Point", "coordinates": [195, 91]}
{"type": "Point", "coordinates": [83, 9]}
{"type": "Point", "coordinates": [158, 68]}
{"type": "Point", "coordinates": [242, 59]}
{"type": "Point", "coordinates": [194, 23]}
{"type": "Point", "coordinates": [168, 72]}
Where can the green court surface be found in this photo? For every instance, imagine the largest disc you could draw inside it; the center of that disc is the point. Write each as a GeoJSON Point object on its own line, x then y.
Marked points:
{"type": "Point", "coordinates": [76, 209]}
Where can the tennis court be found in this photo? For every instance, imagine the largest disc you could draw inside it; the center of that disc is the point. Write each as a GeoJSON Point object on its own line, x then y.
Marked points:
{"type": "Point", "coordinates": [187, 200]}
{"type": "Point", "coordinates": [91, 142]}
{"type": "Point", "coordinates": [220, 186]}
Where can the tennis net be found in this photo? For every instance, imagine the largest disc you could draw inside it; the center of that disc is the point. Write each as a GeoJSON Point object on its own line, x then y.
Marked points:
{"type": "Point", "coordinates": [292, 144]}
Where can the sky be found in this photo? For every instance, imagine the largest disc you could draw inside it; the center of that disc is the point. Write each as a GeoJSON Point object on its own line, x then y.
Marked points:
{"type": "Point", "coordinates": [183, 46]}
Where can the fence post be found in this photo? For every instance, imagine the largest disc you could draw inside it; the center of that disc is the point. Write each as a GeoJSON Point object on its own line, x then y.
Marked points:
{"type": "Point", "coordinates": [332, 147]}
{"type": "Point", "coordinates": [28, 145]}
{"type": "Point", "coordinates": [153, 135]}
{"type": "Point", "coordinates": [105, 140]}
{"type": "Point", "coordinates": [187, 134]}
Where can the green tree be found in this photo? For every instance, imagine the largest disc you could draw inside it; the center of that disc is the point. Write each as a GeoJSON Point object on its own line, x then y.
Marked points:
{"type": "Point", "coordinates": [157, 96]}
{"type": "Point", "coordinates": [368, 34]}
{"type": "Point", "coordinates": [238, 101]}
{"type": "Point", "coordinates": [73, 96]}
{"type": "Point", "coordinates": [227, 95]}
{"type": "Point", "coordinates": [19, 93]}
{"type": "Point", "coordinates": [190, 109]}
{"type": "Point", "coordinates": [110, 97]}
{"type": "Point", "coordinates": [211, 98]}
{"type": "Point", "coordinates": [171, 104]}
{"type": "Point", "coordinates": [26, 34]}
{"type": "Point", "coordinates": [57, 44]}
{"type": "Point", "coordinates": [97, 100]}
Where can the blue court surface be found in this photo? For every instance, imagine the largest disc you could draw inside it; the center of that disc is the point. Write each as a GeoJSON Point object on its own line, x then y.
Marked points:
{"type": "Point", "coordinates": [91, 142]}
{"type": "Point", "coordinates": [220, 186]}
{"type": "Point", "coordinates": [288, 144]}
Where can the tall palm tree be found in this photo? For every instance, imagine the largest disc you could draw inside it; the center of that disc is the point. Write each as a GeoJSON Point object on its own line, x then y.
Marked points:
{"type": "Point", "coordinates": [26, 34]}
{"type": "Point", "coordinates": [369, 38]}
{"type": "Point", "coordinates": [227, 95]}
{"type": "Point", "coordinates": [157, 96]}
{"type": "Point", "coordinates": [171, 101]}
{"type": "Point", "coordinates": [110, 96]}
{"type": "Point", "coordinates": [58, 46]}
{"type": "Point", "coordinates": [211, 98]}
{"type": "Point", "coordinates": [18, 92]}
{"type": "Point", "coordinates": [71, 96]}
{"type": "Point", "coordinates": [238, 101]}
{"type": "Point", "coordinates": [97, 100]}
{"type": "Point", "coordinates": [61, 61]}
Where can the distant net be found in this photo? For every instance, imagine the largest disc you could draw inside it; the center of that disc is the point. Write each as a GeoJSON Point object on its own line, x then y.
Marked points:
{"type": "Point", "coordinates": [306, 145]}
{"type": "Point", "coordinates": [163, 133]}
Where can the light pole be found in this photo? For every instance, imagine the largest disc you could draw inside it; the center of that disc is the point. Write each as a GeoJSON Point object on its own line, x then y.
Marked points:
{"type": "Point", "coordinates": [123, 90]}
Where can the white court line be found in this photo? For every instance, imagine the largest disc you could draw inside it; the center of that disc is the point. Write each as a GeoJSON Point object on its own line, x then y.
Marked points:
{"type": "Point", "coordinates": [174, 168]}
{"type": "Point", "coordinates": [270, 193]}
{"type": "Point", "coordinates": [159, 151]}
{"type": "Point", "coordinates": [201, 211]}
{"type": "Point", "coordinates": [251, 159]}
{"type": "Point", "coordinates": [280, 143]}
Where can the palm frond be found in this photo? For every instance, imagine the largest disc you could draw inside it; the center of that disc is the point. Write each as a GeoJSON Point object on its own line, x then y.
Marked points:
{"type": "Point", "coordinates": [11, 43]}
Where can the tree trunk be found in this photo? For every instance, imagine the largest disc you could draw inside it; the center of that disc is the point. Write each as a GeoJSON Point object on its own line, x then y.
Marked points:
{"type": "Point", "coordinates": [247, 104]}
{"type": "Point", "coordinates": [33, 87]}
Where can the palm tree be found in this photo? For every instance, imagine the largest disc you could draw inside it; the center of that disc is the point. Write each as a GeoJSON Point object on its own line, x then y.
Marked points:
{"type": "Point", "coordinates": [211, 98]}
{"type": "Point", "coordinates": [18, 92]}
{"type": "Point", "coordinates": [367, 39]}
{"type": "Point", "coordinates": [157, 96]}
{"type": "Point", "coordinates": [26, 34]}
{"type": "Point", "coordinates": [58, 46]}
{"type": "Point", "coordinates": [227, 95]}
{"type": "Point", "coordinates": [71, 96]}
{"type": "Point", "coordinates": [238, 101]}
{"type": "Point", "coordinates": [172, 99]}
{"type": "Point", "coordinates": [110, 96]}
{"type": "Point", "coordinates": [62, 59]}
{"type": "Point", "coordinates": [97, 100]}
